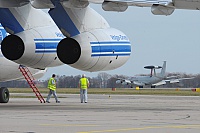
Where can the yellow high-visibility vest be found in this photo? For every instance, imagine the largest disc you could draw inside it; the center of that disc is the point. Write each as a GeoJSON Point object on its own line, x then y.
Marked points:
{"type": "Point", "coordinates": [84, 83]}
{"type": "Point", "coordinates": [51, 85]}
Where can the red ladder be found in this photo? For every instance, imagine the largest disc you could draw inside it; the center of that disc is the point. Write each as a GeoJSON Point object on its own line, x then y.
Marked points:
{"type": "Point", "coordinates": [30, 79]}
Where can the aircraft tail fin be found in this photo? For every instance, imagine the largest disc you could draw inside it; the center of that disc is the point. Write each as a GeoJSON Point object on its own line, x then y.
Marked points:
{"type": "Point", "coordinates": [19, 19]}
{"type": "Point", "coordinates": [163, 70]}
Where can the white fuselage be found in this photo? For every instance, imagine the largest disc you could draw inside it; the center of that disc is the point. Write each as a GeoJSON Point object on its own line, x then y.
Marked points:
{"type": "Point", "coordinates": [147, 80]}
{"type": "Point", "coordinates": [9, 70]}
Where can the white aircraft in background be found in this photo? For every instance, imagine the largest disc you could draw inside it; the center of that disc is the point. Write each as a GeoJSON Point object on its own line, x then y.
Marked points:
{"type": "Point", "coordinates": [154, 79]}
{"type": "Point", "coordinates": [72, 34]}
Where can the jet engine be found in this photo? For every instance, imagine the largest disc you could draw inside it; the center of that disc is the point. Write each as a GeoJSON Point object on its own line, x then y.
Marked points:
{"type": "Point", "coordinates": [31, 49]}
{"type": "Point", "coordinates": [119, 81]}
{"type": "Point", "coordinates": [100, 49]}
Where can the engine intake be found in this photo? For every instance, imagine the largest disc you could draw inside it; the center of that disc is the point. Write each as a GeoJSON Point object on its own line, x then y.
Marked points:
{"type": "Point", "coordinates": [31, 49]}
{"type": "Point", "coordinates": [68, 50]}
{"type": "Point", "coordinates": [12, 47]}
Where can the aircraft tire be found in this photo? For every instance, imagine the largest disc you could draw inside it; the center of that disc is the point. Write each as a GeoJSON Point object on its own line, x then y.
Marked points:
{"type": "Point", "coordinates": [4, 95]}
{"type": "Point", "coordinates": [140, 86]}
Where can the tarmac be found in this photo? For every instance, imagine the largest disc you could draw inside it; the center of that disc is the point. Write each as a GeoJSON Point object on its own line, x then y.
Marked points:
{"type": "Point", "coordinates": [102, 114]}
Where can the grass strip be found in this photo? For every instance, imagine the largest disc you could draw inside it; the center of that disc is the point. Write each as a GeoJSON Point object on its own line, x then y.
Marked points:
{"type": "Point", "coordinates": [118, 91]}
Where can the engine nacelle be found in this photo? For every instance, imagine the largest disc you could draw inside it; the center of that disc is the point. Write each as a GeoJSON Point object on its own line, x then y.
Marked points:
{"type": "Point", "coordinates": [125, 83]}
{"type": "Point", "coordinates": [119, 81]}
{"type": "Point", "coordinates": [113, 6]}
{"type": "Point", "coordinates": [39, 4]}
{"type": "Point", "coordinates": [162, 10]}
{"type": "Point", "coordinates": [31, 49]}
{"type": "Point", "coordinates": [75, 4]}
{"type": "Point", "coordinates": [174, 81]}
{"type": "Point", "coordinates": [13, 3]}
{"type": "Point", "coordinates": [100, 49]}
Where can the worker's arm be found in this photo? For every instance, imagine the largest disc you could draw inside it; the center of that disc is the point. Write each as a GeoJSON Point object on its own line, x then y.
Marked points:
{"type": "Point", "coordinates": [88, 83]}
{"type": "Point", "coordinates": [79, 84]}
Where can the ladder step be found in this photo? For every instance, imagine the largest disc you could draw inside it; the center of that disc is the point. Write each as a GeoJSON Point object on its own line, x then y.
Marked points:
{"type": "Point", "coordinates": [30, 80]}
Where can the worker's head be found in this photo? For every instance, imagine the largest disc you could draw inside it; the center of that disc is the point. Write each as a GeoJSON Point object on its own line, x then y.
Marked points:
{"type": "Point", "coordinates": [83, 75]}
{"type": "Point", "coordinates": [53, 76]}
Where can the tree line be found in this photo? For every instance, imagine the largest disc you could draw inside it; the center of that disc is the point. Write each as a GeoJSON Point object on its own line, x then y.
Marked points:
{"type": "Point", "coordinates": [104, 80]}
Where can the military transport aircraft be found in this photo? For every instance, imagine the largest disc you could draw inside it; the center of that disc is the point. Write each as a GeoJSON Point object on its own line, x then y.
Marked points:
{"type": "Point", "coordinates": [154, 79]}
{"type": "Point", "coordinates": [72, 33]}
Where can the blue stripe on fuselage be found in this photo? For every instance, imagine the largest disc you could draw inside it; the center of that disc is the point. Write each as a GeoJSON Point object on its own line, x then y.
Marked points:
{"type": "Point", "coordinates": [62, 19]}
{"type": "Point", "coordinates": [110, 48]}
{"type": "Point", "coordinates": [109, 42]}
{"type": "Point", "coordinates": [46, 45]}
{"type": "Point", "coordinates": [8, 20]}
{"type": "Point", "coordinates": [98, 48]}
{"type": "Point", "coordinates": [128, 54]}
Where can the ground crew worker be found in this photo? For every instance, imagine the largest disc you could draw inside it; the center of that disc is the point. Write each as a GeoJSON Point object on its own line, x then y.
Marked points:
{"type": "Point", "coordinates": [83, 85]}
{"type": "Point", "coordinates": [52, 89]}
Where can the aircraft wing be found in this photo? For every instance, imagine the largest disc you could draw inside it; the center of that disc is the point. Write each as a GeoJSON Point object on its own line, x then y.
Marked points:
{"type": "Point", "coordinates": [138, 83]}
{"type": "Point", "coordinates": [159, 83]}
{"type": "Point", "coordinates": [122, 81]}
{"type": "Point", "coordinates": [171, 81]}
{"type": "Point", "coordinates": [129, 82]}
{"type": "Point", "coordinates": [141, 3]}
{"type": "Point", "coordinates": [178, 4]}
{"type": "Point", "coordinates": [158, 7]}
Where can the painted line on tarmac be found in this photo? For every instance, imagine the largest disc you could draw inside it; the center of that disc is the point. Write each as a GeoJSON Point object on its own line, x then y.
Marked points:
{"type": "Point", "coordinates": [69, 125]}
{"type": "Point", "coordinates": [143, 128]}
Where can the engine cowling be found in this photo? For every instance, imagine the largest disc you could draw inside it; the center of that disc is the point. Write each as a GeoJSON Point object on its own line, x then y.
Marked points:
{"type": "Point", "coordinates": [119, 81]}
{"type": "Point", "coordinates": [11, 3]}
{"type": "Point", "coordinates": [114, 6]}
{"type": "Point", "coordinates": [162, 10]}
{"type": "Point", "coordinates": [100, 49]}
{"type": "Point", "coordinates": [31, 49]}
{"type": "Point", "coordinates": [75, 4]}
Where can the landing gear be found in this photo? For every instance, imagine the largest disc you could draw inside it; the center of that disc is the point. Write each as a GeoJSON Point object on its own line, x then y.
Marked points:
{"type": "Point", "coordinates": [140, 86]}
{"type": "Point", "coordinates": [4, 95]}
{"type": "Point", "coordinates": [153, 86]}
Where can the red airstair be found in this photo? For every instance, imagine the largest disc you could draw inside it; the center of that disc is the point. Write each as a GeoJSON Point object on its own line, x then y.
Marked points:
{"type": "Point", "coordinates": [30, 79]}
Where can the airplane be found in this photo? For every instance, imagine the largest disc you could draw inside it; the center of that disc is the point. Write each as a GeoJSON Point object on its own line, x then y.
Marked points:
{"type": "Point", "coordinates": [71, 33]}
{"type": "Point", "coordinates": [154, 79]}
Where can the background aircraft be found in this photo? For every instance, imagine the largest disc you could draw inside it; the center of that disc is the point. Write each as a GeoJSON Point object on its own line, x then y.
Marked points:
{"type": "Point", "coordinates": [154, 79]}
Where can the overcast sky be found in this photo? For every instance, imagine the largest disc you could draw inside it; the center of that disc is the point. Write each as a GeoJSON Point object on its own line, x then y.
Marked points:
{"type": "Point", "coordinates": [174, 38]}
